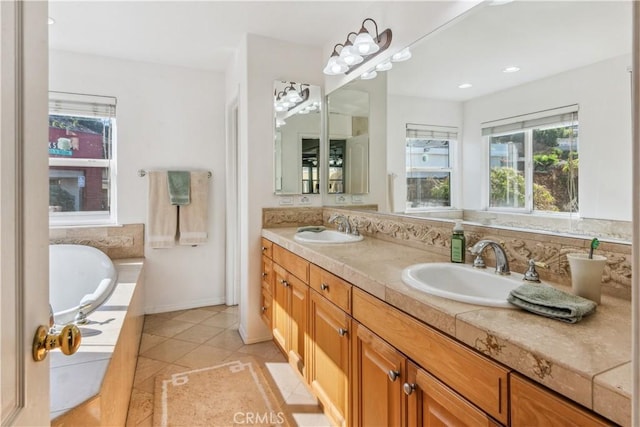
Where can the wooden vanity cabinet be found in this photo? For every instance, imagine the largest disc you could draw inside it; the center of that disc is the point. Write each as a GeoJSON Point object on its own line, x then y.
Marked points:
{"type": "Point", "coordinates": [379, 371]}
{"type": "Point", "coordinates": [533, 405]}
{"type": "Point", "coordinates": [475, 377]}
{"type": "Point", "coordinates": [431, 403]}
{"type": "Point", "coordinates": [329, 357]}
{"type": "Point", "coordinates": [267, 280]}
{"type": "Point", "coordinates": [290, 307]}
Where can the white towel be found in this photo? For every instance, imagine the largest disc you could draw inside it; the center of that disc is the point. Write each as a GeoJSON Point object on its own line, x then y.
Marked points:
{"type": "Point", "coordinates": [162, 216]}
{"type": "Point", "coordinates": [193, 217]}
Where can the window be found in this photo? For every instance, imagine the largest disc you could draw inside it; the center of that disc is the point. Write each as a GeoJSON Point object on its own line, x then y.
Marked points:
{"type": "Point", "coordinates": [429, 163]}
{"type": "Point", "coordinates": [81, 159]}
{"type": "Point", "coordinates": [533, 162]}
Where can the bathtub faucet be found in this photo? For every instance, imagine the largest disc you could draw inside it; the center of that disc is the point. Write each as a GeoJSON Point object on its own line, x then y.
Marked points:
{"type": "Point", "coordinates": [81, 318]}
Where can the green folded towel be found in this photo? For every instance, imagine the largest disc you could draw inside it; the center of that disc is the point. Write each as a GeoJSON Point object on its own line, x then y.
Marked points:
{"type": "Point", "coordinates": [313, 228]}
{"type": "Point", "coordinates": [551, 302]}
{"type": "Point", "coordinates": [179, 187]}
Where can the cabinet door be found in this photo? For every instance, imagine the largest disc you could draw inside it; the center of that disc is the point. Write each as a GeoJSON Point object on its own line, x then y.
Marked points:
{"type": "Point", "coordinates": [280, 308]}
{"type": "Point", "coordinates": [431, 403]}
{"type": "Point", "coordinates": [298, 314]}
{"type": "Point", "coordinates": [266, 308]}
{"type": "Point", "coordinates": [267, 274]}
{"type": "Point", "coordinates": [532, 405]}
{"type": "Point", "coordinates": [329, 374]}
{"type": "Point", "coordinates": [378, 374]}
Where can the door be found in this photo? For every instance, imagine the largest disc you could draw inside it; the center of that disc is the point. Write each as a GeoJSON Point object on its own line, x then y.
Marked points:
{"type": "Point", "coordinates": [378, 375]}
{"type": "Point", "coordinates": [24, 227]}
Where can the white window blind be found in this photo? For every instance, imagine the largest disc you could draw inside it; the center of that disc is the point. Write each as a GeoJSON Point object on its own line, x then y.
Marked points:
{"type": "Point", "coordinates": [67, 103]}
{"type": "Point", "coordinates": [431, 132]}
{"type": "Point", "coordinates": [557, 116]}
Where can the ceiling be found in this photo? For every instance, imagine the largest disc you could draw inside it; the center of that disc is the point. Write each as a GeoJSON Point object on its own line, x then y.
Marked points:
{"type": "Point", "coordinates": [197, 34]}
{"type": "Point", "coordinates": [543, 38]}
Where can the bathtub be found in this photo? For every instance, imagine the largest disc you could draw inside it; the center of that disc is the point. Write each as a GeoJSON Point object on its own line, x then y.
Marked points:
{"type": "Point", "coordinates": [81, 278]}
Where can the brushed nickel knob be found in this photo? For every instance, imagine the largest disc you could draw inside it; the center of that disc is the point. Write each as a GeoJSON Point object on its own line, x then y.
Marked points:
{"type": "Point", "coordinates": [393, 375]}
{"type": "Point", "coordinates": [324, 287]}
{"type": "Point", "coordinates": [408, 388]}
{"type": "Point", "coordinates": [342, 332]}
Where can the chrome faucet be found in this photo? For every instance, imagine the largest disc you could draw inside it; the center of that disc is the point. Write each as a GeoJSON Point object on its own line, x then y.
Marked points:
{"type": "Point", "coordinates": [342, 221]}
{"type": "Point", "coordinates": [502, 264]}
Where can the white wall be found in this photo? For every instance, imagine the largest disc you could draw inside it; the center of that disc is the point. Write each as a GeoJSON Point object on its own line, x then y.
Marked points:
{"type": "Point", "coordinates": [167, 117]}
{"type": "Point", "coordinates": [603, 93]}
{"type": "Point", "coordinates": [260, 61]}
{"type": "Point", "coordinates": [408, 109]}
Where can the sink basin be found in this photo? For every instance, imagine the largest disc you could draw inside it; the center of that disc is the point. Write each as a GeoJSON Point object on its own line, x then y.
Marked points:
{"type": "Point", "coordinates": [461, 282]}
{"type": "Point", "coordinates": [326, 236]}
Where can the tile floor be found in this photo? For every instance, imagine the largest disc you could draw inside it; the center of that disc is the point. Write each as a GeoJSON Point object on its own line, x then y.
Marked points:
{"type": "Point", "coordinates": [189, 339]}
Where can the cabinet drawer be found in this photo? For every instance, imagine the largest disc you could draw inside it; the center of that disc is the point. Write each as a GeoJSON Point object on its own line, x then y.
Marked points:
{"type": "Point", "coordinates": [265, 307]}
{"type": "Point", "coordinates": [266, 247]}
{"type": "Point", "coordinates": [532, 404]}
{"type": "Point", "coordinates": [478, 379]}
{"type": "Point", "coordinates": [299, 267]}
{"type": "Point", "coordinates": [267, 274]}
{"type": "Point", "coordinates": [332, 287]}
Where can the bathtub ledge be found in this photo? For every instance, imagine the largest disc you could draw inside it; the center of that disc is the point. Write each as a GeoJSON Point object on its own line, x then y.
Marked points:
{"type": "Point", "coordinates": [109, 343]}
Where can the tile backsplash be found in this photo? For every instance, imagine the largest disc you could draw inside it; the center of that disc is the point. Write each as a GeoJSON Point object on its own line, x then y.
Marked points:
{"type": "Point", "coordinates": [126, 241]}
{"type": "Point", "coordinates": [435, 236]}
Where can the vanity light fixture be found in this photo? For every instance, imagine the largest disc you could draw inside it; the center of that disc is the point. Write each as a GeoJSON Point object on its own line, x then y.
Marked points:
{"type": "Point", "coordinates": [289, 97]}
{"type": "Point", "coordinates": [363, 48]}
{"type": "Point", "coordinates": [369, 75]}
{"type": "Point", "coordinates": [403, 55]}
{"type": "Point", "coordinates": [465, 85]}
{"type": "Point", "coordinates": [384, 66]}
{"type": "Point", "coordinates": [511, 69]}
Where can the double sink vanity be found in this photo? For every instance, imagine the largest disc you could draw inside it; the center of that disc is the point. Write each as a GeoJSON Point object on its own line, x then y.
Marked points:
{"type": "Point", "coordinates": [378, 351]}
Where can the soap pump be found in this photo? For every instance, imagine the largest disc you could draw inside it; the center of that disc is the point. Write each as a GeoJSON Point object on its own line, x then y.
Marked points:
{"type": "Point", "coordinates": [457, 243]}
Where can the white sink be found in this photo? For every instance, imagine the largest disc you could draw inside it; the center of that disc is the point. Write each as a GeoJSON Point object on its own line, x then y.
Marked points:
{"type": "Point", "coordinates": [461, 282]}
{"type": "Point", "coordinates": [326, 236]}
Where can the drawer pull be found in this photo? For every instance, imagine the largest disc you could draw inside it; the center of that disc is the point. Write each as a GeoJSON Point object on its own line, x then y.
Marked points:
{"type": "Point", "coordinates": [263, 248]}
{"type": "Point", "coordinates": [393, 375]}
{"type": "Point", "coordinates": [264, 275]}
{"type": "Point", "coordinates": [342, 332]}
{"type": "Point", "coordinates": [284, 283]}
{"type": "Point", "coordinates": [408, 388]}
{"type": "Point", "coordinates": [263, 308]}
{"type": "Point", "coordinates": [324, 287]}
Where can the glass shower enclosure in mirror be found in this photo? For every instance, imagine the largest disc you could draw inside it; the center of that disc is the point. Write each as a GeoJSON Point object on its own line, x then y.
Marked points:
{"type": "Point", "coordinates": [297, 121]}
{"type": "Point", "coordinates": [348, 150]}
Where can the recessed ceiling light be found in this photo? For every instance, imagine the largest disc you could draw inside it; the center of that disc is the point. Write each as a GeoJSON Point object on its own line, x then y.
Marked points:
{"type": "Point", "coordinates": [51, 21]}
{"type": "Point", "coordinates": [511, 69]}
{"type": "Point", "coordinates": [465, 85]}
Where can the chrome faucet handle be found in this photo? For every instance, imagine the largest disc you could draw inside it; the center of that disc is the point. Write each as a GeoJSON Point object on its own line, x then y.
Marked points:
{"type": "Point", "coordinates": [478, 262]}
{"type": "Point", "coordinates": [531, 275]}
{"type": "Point", "coordinates": [354, 230]}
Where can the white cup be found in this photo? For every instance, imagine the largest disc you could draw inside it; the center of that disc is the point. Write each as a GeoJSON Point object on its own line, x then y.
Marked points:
{"type": "Point", "coordinates": [586, 275]}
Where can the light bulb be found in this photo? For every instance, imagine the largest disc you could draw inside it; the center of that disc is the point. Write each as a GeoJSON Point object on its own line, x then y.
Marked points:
{"type": "Point", "coordinates": [403, 55]}
{"type": "Point", "coordinates": [364, 44]}
{"type": "Point", "coordinates": [350, 55]}
{"type": "Point", "coordinates": [384, 66]}
{"type": "Point", "coordinates": [369, 75]}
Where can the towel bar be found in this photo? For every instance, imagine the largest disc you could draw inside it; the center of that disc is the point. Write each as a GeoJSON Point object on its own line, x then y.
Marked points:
{"type": "Point", "coordinates": [142, 172]}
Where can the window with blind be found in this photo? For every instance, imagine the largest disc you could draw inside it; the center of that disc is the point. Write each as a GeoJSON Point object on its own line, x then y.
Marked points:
{"type": "Point", "coordinates": [533, 161]}
{"type": "Point", "coordinates": [429, 166]}
{"type": "Point", "coordinates": [81, 159]}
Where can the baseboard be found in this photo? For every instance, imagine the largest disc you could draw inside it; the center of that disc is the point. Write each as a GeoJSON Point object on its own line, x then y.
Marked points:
{"type": "Point", "coordinates": [252, 340]}
{"type": "Point", "coordinates": [184, 305]}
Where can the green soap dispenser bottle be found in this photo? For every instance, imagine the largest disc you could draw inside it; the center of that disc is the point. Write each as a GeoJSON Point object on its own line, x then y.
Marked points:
{"type": "Point", "coordinates": [457, 243]}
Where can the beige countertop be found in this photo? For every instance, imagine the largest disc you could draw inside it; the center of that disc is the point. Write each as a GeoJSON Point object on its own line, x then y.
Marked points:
{"type": "Point", "coordinates": [588, 362]}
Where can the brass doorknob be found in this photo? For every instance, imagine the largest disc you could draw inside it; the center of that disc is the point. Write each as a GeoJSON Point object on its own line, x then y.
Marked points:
{"type": "Point", "coordinates": [68, 341]}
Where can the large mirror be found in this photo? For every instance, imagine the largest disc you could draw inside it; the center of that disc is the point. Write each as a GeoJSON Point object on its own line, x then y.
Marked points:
{"type": "Point", "coordinates": [531, 88]}
{"type": "Point", "coordinates": [348, 148]}
{"type": "Point", "coordinates": [297, 125]}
